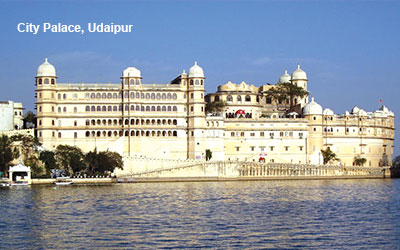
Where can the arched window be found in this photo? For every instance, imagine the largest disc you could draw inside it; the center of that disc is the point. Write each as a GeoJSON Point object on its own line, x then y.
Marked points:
{"type": "Point", "coordinates": [191, 82]}
{"type": "Point", "coordinates": [247, 98]}
{"type": "Point", "coordinates": [109, 122]}
{"type": "Point", "coordinates": [93, 95]}
{"type": "Point", "coordinates": [175, 109]}
{"type": "Point", "coordinates": [104, 96]}
{"type": "Point", "coordinates": [87, 109]}
{"type": "Point", "coordinates": [174, 96]}
{"type": "Point", "coordinates": [175, 134]}
{"type": "Point", "coordinates": [147, 96]}
{"type": "Point", "coordinates": [164, 108]}
{"type": "Point", "coordinates": [142, 108]}
{"type": "Point", "coordinates": [169, 109]}
{"type": "Point", "coordinates": [59, 134]}
{"type": "Point", "coordinates": [153, 108]}
{"type": "Point", "coordinates": [109, 108]}
{"type": "Point", "coordinates": [132, 95]}
{"type": "Point", "coordinates": [126, 107]}
{"type": "Point", "coordinates": [158, 96]}
{"type": "Point", "coordinates": [65, 96]}
{"type": "Point", "coordinates": [115, 108]}
{"type": "Point", "coordinates": [46, 81]}
{"type": "Point", "coordinates": [40, 81]}
{"type": "Point", "coordinates": [93, 109]}
{"type": "Point", "coordinates": [153, 96]}
{"type": "Point", "coordinates": [126, 94]}
{"type": "Point", "coordinates": [137, 108]}
{"type": "Point", "coordinates": [148, 108]}
{"type": "Point", "coordinates": [115, 96]}
{"type": "Point", "coordinates": [59, 96]}
{"type": "Point", "coordinates": [216, 98]}
{"type": "Point", "coordinates": [164, 96]}
{"type": "Point", "coordinates": [132, 121]}
{"type": "Point", "coordinates": [104, 109]}
{"type": "Point", "coordinates": [109, 96]}
{"type": "Point", "coordinates": [98, 134]}
{"type": "Point", "coordinates": [229, 98]}
{"type": "Point", "coordinates": [93, 122]}
{"type": "Point", "coordinates": [169, 133]}
{"type": "Point", "coordinates": [132, 82]}
{"type": "Point", "coordinates": [53, 82]}
{"type": "Point", "coordinates": [87, 122]}
{"type": "Point", "coordinates": [120, 108]}
{"type": "Point", "coordinates": [132, 133]}
{"type": "Point", "coordinates": [98, 109]}
{"type": "Point", "coordinates": [148, 133]}
{"type": "Point", "coordinates": [87, 134]}
{"type": "Point", "coordinates": [158, 108]}
{"type": "Point", "coordinates": [142, 95]}
{"type": "Point", "coordinates": [109, 133]}
{"type": "Point", "coordinates": [98, 96]}
{"type": "Point", "coordinates": [75, 109]}
{"type": "Point", "coordinates": [64, 109]}
{"type": "Point", "coordinates": [197, 82]}
{"type": "Point", "coordinates": [126, 122]}
{"type": "Point", "coordinates": [137, 95]}
{"type": "Point", "coordinates": [132, 107]}
{"type": "Point", "coordinates": [202, 82]}
{"type": "Point", "coordinates": [137, 133]}
{"type": "Point", "coordinates": [169, 96]}
{"type": "Point", "coordinates": [153, 133]}
{"type": "Point", "coordinates": [239, 98]}
{"type": "Point", "coordinates": [175, 122]}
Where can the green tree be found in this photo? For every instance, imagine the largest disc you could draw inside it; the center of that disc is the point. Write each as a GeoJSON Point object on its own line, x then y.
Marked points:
{"type": "Point", "coordinates": [328, 156]}
{"type": "Point", "coordinates": [285, 91]}
{"type": "Point", "coordinates": [7, 153]}
{"type": "Point", "coordinates": [103, 162]}
{"type": "Point", "coordinates": [215, 107]}
{"type": "Point", "coordinates": [70, 159]}
{"type": "Point", "coordinates": [29, 120]}
{"type": "Point", "coordinates": [208, 154]}
{"type": "Point", "coordinates": [47, 157]}
{"type": "Point", "coordinates": [396, 162]}
{"type": "Point", "coordinates": [27, 144]}
{"type": "Point", "coordinates": [359, 161]}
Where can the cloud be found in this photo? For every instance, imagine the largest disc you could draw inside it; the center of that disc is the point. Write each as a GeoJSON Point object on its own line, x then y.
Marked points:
{"type": "Point", "coordinates": [261, 61]}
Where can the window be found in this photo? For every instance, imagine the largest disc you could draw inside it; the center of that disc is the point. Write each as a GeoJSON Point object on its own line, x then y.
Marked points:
{"type": "Point", "coordinates": [301, 148]}
{"type": "Point", "coordinates": [271, 148]}
{"type": "Point", "coordinates": [98, 96]}
{"type": "Point", "coordinates": [64, 109]}
{"type": "Point", "coordinates": [75, 123]}
{"type": "Point", "coordinates": [153, 96]}
{"type": "Point", "coordinates": [261, 134]}
{"type": "Point", "coordinates": [252, 148]}
{"type": "Point", "coordinates": [46, 81]}
{"type": "Point", "coordinates": [75, 109]}
{"type": "Point", "coordinates": [301, 135]}
{"type": "Point", "coordinates": [252, 134]}
{"type": "Point", "coordinates": [109, 96]}
{"type": "Point", "coordinates": [239, 98]}
{"type": "Point", "coordinates": [169, 96]}
{"type": "Point", "coordinates": [237, 148]}
{"type": "Point", "coordinates": [247, 98]}
{"type": "Point", "coordinates": [286, 148]}
{"type": "Point", "coordinates": [87, 95]}
{"type": "Point", "coordinates": [216, 98]}
{"type": "Point", "coordinates": [59, 96]}
{"type": "Point", "coordinates": [191, 82]}
{"type": "Point", "coordinates": [229, 98]}
{"type": "Point", "coordinates": [147, 96]}
{"type": "Point", "coordinates": [169, 109]}
{"type": "Point", "coordinates": [174, 96]}
{"type": "Point", "coordinates": [269, 100]}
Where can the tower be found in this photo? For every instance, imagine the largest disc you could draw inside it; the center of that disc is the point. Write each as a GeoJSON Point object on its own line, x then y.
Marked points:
{"type": "Point", "coordinates": [299, 78]}
{"type": "Point", "coordinates": [131, 79]}
{"type": "Point", "coordinates": [46, 93]}
{"type": "Point", "coordinates": [196, 113]}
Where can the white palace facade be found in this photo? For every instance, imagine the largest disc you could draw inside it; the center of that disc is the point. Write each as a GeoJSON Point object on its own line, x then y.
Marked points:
{"type": "Point", "coordinates": [169, 121]}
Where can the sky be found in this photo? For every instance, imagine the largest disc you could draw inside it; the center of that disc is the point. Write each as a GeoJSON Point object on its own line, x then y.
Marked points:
{"type": "Point", "coordinates": [350, 50]}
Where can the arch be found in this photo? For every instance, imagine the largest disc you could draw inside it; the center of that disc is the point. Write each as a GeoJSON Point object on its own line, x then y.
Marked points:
{"type": "Point", "coordinates": [53, 82]}
{"type": "Point", "coordinates": [126, 95]}
{"type": "Point", "coordinates": [115, 133]}
{"type": "Point", "coordinates": [132, 121]}
{"type": "Point", "coordinates": [164, 133]}
{"type": "Point", "coordinates": [169, 96]}
{"type": "Point", "coordinates": [40, 81]}
{"type": "Point", "coordinates": [132, 95]}
{"type": "Point", "coordinates": [216, 98]}
{"type": "Point", "coordinates": [98, 96]}
{"type": "Point", "coordinates": [93, 108]}
{"type": "Point", "coordinates": [98, 134]}
{"type": "Point", "coordinates": [169, 121]}
{"type": "Point", "coordinates": [115, 108]}
{"type": "Point", "coordinates": [104, 108]}
{"type": "Point", "coordinates": [104, 122]}
{"type": "Point", "coordinates": [109, 108]}
{"type": "Point", "coordinates": [64, 96]}
{"type": "Point", "coordinates": [142, 122]}
{"type": "Point", "coordinates": [132, 107]}
{"type": "Point", "coordinates": [163, 96]}
{"type": "Point", "coordinates": [126, 133]}
{"type": "Point", "coordinates": [158, 122]}
{"type": "Point", "coordinates": [247, 98]}
{"type": "Point", "coordinates": [169, 108]}
{"type": "Point", "coordinates": [65, 109]}
{"type": "Point", "coordinates": [92, 95]}
{"type": "Point", "coordinates": [126, 122]}
{"type": "Point", "coordinates": [142, 133]}
{"type": "Point", "coordinates": [115, 122]}
{"type": "Point", "coordinates": [147, 122]}
{"type": "Point", "coordinates": [147, 95]}
{"type": "Point", "coordinates": [239, 98]}
{"type": "Point", "coordinates": [75, 109]}
{"type": "Point", "coordinates": [158, 97]}
{"type": "Point", "coordinates": [137, 133]}
{"type": "Point", "coordinates": [137, 95]}
{"type": "Point", "coordinates": [164, 121]}
{"type": "Point", "coordinates": [174, 122]}
{"type": "Point", "coordinates": [87, 122]}
{"type": "Point", "coordinates": [93, 122]}
{"type": "Point", "coordinates": [158, 133]}
{"type": "Point", "coordinates": [126, 107]}
{"type": "Point", "coordinates": [147, 133]}
{"type": "Point", "coordinates": [109, 133]}
{"type": "Point", "coordinates": [98, 108]}
{"type": "Point", "coordinates": [93, 133]}
{"type": "Point", "coordinates": [104, 133]}
{"type": "Point", "coordinates": [164, 108]}
{"type": "Point", "coordinates": [191, 82]}
{"type": "Point", "coordinates": [87, 133]}
{"type": "Point", "coordinates": [115, 96]}
{"type": "Point", "coordinates": [153, 122]}
{"type": "Point", "coordinates": [46, 81]}
{"type": "Point", "coordinates": [153, 133]}
{"type": "Point", "coordinates": [153, 108]}
{"type": "Point", "coordinates": [98, 122]}
{"type": "Point", "coordinates": [132, 133]}
{"type": "Point", "coordinates": [229, 98]}
{"type": "Point", "coordinates": [137, 121]}
{"type": "Point", "coordinates": [158, 108]}
{"type": "Point", "coordinates": [132, 82]}
{"type": "Point", "coordinates": [104, 95]}
{"type": "Point", "coordinates": [169, 133]}
{"type": "Point", "coordinates": [175, 109]}
{"type": "Point", "coordinates": [109, 122]}
{"type": "Point", "coordinates": [175, 134]}
{"type": "Point", "coordinates": [109, 96]}
{"type": "Point", "coordinates": [174, 96]}
{"type": "Point", "coordinates": [87, 108]}
{"type": "Point", "coordinates": [137, 108]}
{"type": "Point", "coordinates": [147, 108]}
{"type": "Point", "coordinates": [153, 96]}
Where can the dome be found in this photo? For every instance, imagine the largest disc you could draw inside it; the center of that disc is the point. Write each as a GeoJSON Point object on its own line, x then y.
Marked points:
{"type": "Point", "coordinates": [196, 71]}
{"type": "Point", "coordinates": [46, 69]}
{"type": "Point", "coordinates": [285, 78]}
{"type": "Point", "coordinates": [131, 72]}
{"type": "Point", "coordinates": [312, 108]}
{"type": "Point", "coordinates": [328, 111]}
{"type": "Point", "coordinates": [299, 74]}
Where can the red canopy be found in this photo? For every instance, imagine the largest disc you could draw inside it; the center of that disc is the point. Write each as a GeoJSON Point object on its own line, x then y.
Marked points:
{"type": "Point", "coordinates": [240, 112]}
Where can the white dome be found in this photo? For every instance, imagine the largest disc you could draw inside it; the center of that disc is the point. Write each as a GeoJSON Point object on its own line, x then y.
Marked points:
{"type": "Point", "coordinates": [312, 108]}
{"type": "Point", "coordinates": [131, 72]}
{"type": "Point", "coordinates": [196, 71]}
{"type": "Point", "coordinates": [46, 69]}
{"type": "Point", "coordinates": [328, 111]}
{"type": "Point", "coordinates": [299, 74]}
{"type": "Point", "coordinates": [285, 78]}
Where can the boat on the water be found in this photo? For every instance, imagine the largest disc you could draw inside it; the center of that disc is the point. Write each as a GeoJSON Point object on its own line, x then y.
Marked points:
{"type": "Point", "coordinates": [63, 181]}
{"type": "Point", "coordinates": [20, 183]}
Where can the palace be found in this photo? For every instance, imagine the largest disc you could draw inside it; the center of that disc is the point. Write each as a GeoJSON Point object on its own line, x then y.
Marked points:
{"type": "Point", "coordinates": [169, 121]}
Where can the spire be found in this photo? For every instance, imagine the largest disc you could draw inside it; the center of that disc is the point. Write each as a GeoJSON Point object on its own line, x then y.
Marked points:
{"type": "Point", "coordinates": [183, 71]}
{"type": "Point", "coordinates": [286, 71]}
{"type": "Point", "coordinates": [45, 60]}
{"type": "Point", "coordinates": [298, 66]}
{"type": "Point", "coordinates": [195, 63]}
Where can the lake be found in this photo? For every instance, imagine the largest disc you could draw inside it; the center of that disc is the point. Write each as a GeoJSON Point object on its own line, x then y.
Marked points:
{"type": "Point", "coordinates": [314, 214]}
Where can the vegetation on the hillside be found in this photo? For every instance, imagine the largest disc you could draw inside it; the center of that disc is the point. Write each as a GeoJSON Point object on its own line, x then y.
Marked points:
{"type": "Point", "coordinates": [7, 154]}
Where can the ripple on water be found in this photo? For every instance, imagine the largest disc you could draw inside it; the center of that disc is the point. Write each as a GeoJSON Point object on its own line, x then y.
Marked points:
{"type": "Point", "coordinates": [330, 214]}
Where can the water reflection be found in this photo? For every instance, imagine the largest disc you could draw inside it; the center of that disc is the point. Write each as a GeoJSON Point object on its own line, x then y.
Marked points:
{"type": "Point", "coordinates": [314, 214]}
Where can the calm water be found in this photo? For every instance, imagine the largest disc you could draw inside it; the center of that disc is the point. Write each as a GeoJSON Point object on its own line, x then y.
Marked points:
{"type": "Point", "coordinates": [333, 214]}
